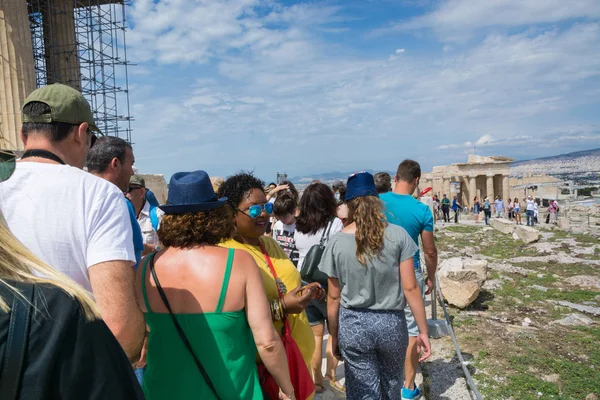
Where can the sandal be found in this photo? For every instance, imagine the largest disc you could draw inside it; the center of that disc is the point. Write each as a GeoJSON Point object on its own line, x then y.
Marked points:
{"type": "Point", "coordinates": [319, 388]}
{"type": "Point", "coordinates": [334, 386]}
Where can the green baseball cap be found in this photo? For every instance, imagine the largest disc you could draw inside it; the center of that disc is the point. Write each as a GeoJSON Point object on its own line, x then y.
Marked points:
{"type": "Point", "coordinates": [66, 104]}
{"type": "Point", "coordinates": [137, 180]}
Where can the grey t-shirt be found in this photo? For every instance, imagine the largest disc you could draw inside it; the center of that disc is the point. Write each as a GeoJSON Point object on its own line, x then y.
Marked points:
{"type": "Point", "coordinates": [376, 285]}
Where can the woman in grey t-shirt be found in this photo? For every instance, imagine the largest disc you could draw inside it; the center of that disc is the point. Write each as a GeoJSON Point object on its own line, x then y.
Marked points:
{"type": "Point", "coordinates": [371, 275]}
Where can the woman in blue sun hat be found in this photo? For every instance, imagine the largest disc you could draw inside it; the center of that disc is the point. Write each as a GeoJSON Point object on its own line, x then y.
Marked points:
{"type": "Point", "coordinates": [205, 305]}
{"type": "Point", "coordinates": [371, 277]}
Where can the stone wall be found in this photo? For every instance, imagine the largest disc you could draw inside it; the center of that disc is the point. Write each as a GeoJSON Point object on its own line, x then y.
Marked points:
{"type": "Point", "coordinates": [158, 184]}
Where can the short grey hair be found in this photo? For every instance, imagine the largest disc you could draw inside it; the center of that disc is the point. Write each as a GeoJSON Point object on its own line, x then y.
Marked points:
{"type": "Point", "coordinates": [104, 150]}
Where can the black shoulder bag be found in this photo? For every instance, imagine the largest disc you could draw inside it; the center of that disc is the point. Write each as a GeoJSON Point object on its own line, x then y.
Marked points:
{"type": "Point", "coordinates": [310, 271]}
{"type": "Point", "coordinates": [180, 329]}
{"type": "Point", "coordinates": [18, 335]}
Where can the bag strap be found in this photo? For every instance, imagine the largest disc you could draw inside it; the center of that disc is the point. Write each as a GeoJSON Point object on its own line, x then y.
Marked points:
{"type": "Point", "coordinates": [184, 338]}
{"type": "Point", "coordinates": [18, 334]}
{"type": "Point", "coordinates": [325, 235]}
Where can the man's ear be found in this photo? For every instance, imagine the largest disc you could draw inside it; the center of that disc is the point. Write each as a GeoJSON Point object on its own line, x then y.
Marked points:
{"type": "Point", "coordinates": [115, 164]}
{"type": "Point", "coordinates": [80, 134]}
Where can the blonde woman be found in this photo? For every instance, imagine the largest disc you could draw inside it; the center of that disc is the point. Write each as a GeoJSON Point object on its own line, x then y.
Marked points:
{"type": "Point", "coordinates": [371, 276]}
{"type": "Point", "coordinates": [69, 351]}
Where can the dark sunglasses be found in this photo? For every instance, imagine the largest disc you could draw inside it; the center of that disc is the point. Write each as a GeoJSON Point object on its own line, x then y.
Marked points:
{"type": "Point", "coordinates": [132, 188]}
{"type": "Point", "coordinates": [8, 161]}
{"type": "Point", "coordinates": [94, 138]}
{"type": "Point", "coordinates": [257, 209]}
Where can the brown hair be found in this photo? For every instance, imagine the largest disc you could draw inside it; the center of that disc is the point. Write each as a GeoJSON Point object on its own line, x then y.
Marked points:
{"type": "Point", "coordinates": [408, 171]}
{"type": "Point", "coordinates": [317, 208]}
{"type": "Point", "coordinates": [189, 230]}
{"type": "Point", "coordinates": [367, 213]}
{"type": "Point", "coordinates": [284, 204]}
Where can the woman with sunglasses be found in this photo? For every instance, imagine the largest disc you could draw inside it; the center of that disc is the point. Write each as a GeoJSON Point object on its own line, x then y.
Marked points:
{"type": "Point", "coordinates": [251, 213]}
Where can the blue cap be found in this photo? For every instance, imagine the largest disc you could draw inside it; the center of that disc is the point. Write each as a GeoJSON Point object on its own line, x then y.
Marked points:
{"type": "Point", "coordinates": [360, 184]}
{"type": "Point", "coordinates": [191, 192]}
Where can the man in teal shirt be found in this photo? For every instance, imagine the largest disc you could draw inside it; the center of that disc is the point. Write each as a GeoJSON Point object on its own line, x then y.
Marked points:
{"type": "Point", "coordinates": [416, 218]}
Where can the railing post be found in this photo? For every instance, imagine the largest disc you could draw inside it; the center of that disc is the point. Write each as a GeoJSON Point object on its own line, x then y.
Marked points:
{"type": "Point", "coordinates": [434, 303]}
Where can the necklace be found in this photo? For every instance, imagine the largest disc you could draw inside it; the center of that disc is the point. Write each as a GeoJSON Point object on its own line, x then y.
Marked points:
{"type": "Point", "coordinates": [281, 288]}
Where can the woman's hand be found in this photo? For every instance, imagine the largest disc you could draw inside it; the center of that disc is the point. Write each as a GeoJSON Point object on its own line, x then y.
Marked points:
{"type": "Point", "coordinates": [335, 347]}
{"type": "Point", "coordinates": [299, 298]}
{"type": "Point", "coordinates": [424, 346]}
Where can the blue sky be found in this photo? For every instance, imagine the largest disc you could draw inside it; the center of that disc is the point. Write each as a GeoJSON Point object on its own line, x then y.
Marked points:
{"type": "Point", "coordinates": [317, 86]}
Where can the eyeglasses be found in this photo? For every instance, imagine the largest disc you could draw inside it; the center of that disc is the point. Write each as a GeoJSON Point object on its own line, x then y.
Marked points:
{"type": "Point", "coordinates": [257, 209]}
{"type": "Point", "coordinates": [8, 162]}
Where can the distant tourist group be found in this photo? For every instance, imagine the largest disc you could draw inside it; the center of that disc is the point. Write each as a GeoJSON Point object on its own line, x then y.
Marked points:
{"type": "Point", "coordinates": [226, 291]}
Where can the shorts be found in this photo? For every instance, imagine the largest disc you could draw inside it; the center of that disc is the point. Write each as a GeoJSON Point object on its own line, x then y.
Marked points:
{"type": "Point", "coordinates": [411, 324]}
{"type": "Point", "coordinates": [316, 312]}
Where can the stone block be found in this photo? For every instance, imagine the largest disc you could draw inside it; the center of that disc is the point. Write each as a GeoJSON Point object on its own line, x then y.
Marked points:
{"type": "Point", "coordinates": [460, 289]}
{"type": "Point", "coordinates": [527, 234]}
{"type": "Point", "coordinates": [503, 225]}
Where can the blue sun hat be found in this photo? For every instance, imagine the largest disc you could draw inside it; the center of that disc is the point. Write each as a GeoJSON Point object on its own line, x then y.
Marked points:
{"type": "Point", "coordinates": [191, 192]}
{"type": "Point", "coordinates": [360, 184]}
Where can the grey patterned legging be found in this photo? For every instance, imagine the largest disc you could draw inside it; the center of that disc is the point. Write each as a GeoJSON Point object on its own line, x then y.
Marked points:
{"type": "Point", "coordinates": [373, 345]}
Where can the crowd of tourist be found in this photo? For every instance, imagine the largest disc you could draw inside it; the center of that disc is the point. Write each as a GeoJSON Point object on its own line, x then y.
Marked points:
{"type": "Point", "coordinates": [226, 291]}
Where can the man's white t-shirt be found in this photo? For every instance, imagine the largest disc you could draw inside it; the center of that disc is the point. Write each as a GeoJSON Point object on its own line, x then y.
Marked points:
{"type": "Point", "coordinates": [68, 218]}
{"type": "Point", "coordinates": [305, 241]}
{"type": "Point", "coordinates": [530, 205]}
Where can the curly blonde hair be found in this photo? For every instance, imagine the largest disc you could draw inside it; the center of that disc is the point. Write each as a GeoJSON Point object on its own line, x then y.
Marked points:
{"type": "Point", "coordinates": [367, 213]}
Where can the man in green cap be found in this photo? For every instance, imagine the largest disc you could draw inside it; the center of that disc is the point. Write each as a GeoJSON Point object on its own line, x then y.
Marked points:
{"type": "Point", "coordinates": [74, 221]}
{"type": "Point", "coordinates": [148, 216]}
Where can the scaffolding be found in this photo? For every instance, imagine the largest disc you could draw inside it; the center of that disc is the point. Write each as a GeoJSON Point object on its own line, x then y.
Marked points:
{"type": "Point", "coordinates": [81, 43]}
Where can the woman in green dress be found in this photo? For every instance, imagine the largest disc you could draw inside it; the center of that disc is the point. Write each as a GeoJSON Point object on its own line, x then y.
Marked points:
{"type": "Point", "coordinates": [210, 297]}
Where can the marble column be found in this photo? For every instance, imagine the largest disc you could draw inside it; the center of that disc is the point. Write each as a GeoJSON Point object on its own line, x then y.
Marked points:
{"type": "Point", "coordinates": [446, 186]}
{"type": "Point", "coordinates": [505, 188]}
{"type": "Point", "coordinates": [472, 189]}
{"type": "Point", "coordinates": [62, 58]}
{"type": "Point", "coordinates": [17, 78]}
{"type": "Point", "coordinates": [490, 187]}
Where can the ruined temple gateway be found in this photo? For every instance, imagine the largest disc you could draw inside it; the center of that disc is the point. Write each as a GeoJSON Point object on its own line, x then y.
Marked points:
{"type": "Point", "coordinates": [479, 176]}
{"type": "Point", "coordinates": [487, 176]}
{"type": "Point", "coordinates": [80, 43]}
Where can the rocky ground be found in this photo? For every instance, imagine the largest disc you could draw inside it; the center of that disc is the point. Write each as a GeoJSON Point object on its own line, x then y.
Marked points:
{"type": "Point", "coordinates": [534, 330]}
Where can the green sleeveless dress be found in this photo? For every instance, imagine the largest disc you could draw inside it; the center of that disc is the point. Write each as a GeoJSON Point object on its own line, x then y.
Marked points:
{"type": "Point", "coordinates": [221, 340]}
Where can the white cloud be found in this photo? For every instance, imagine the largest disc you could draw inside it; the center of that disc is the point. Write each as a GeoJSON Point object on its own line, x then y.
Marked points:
{"type": "Point", "coordinates": [458, 19]}
{"type": "Point", "coordinates": [275, 94]}
{"type": "Point", "coordinates": [484, 140]}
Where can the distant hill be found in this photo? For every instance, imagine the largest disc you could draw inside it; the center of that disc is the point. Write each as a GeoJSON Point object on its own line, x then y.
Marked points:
{"type": "Point", "coordinates": [583, 165]}
{"type": "Point", "coordinates": [328, 176]}
{"type": "Point", "coordinates": [560, 157]}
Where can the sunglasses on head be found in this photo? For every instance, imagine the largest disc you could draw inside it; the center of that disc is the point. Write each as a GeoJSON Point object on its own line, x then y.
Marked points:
{"type": "Point", "coordinates": [257, 209]}
{"type": "Point", "coordinates": [8, 162]}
